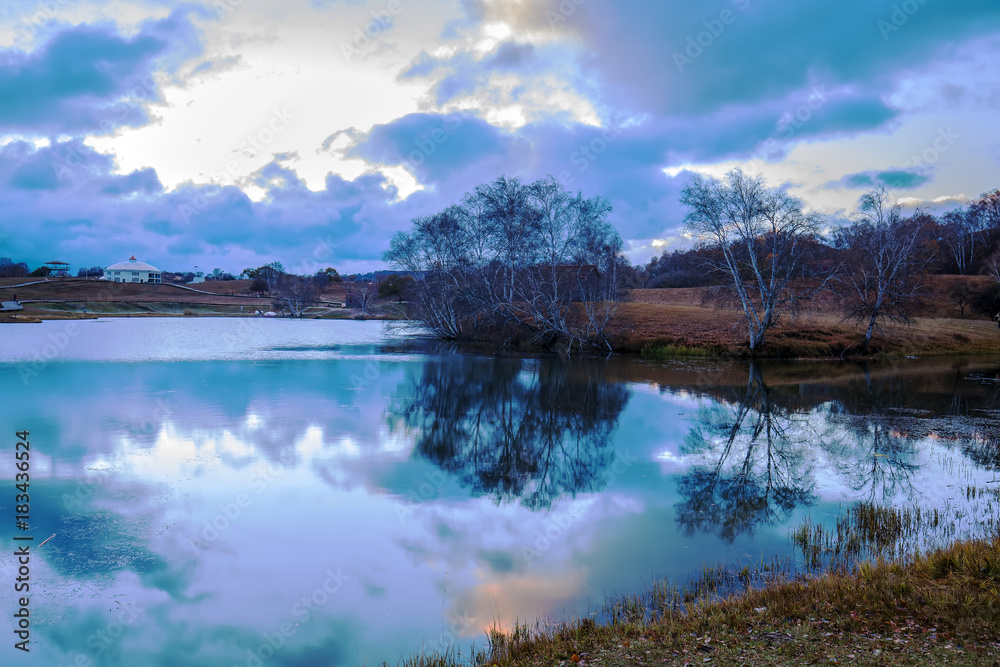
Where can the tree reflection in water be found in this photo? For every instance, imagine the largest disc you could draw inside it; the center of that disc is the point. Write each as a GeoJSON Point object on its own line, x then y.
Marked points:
{"type": "Point", "coordinates": [877, 459]}
{"type": "Point", "coordinates": [516, 429]}
{"type": "Point", "coordinates": [759, 472]}
{"type": "Point", "coordinates": [983, 444]}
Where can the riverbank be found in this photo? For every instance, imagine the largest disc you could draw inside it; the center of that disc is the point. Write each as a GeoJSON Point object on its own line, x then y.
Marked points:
{"type": "Point", "coordinates": [668, 331]}
{"type": "Point", "coordinates": [939, 608]}
{"type": "Point", "coordinates": [652, 323]}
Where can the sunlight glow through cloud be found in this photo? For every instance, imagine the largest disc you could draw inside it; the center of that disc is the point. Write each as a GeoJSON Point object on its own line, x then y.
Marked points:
{"type": "Point", "coordinates": [196, 92]}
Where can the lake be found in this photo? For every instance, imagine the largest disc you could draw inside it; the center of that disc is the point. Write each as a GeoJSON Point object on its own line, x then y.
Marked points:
{"type": "Point", "coordinates": [279, 492]}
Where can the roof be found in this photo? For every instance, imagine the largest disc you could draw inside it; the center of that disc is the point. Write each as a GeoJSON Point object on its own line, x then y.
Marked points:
{"type": "Point", "coordinates": [133, 265]}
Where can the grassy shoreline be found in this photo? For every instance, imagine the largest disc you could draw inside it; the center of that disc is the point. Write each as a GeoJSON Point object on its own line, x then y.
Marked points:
{"type": "Point", "coordinates": [927, 337]}
{"type": "Point", "coordinates": [940, 609]}
{"type": "Point", "coordinates": [655, 324]}
{"type": "Point", "coordinates": [877, 601]}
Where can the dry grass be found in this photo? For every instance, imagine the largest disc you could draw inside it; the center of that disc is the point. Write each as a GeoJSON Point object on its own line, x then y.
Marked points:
{"type": "Point", "coordinates": [70, 298]}
{"type": "Point", "coordinates": [663, 323]}
{"type": "Point", "coordinates": [658, 323]}
{"type": "Point", "coordinates": [942, 607]}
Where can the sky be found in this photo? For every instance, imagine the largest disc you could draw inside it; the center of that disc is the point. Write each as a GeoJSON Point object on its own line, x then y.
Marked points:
{"type": "Point", "coordinates": [232, 133]}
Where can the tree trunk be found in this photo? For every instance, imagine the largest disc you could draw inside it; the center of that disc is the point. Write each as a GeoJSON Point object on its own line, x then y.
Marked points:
{"type": "Point", "coordinates": [869, 332]}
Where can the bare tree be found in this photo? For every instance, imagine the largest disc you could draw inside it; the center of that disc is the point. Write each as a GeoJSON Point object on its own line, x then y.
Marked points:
{"type": "Point", "coordinates": [762, 237]}
{"type": "Point", "coordinates": [433, 252]}
{"type": "Point", "coordinates": [751, 465]}
{"type": "Point", "coordinates": [992, 266]}
{"type": "Point", "coordinates": [963, 294]}
{"type": "Point", "coordinates": [572, 232]}
{"type": "Point", "coordinates": [362, 294]}
{"type": "Point", "coordinates": [512, 262]}
{"type": "Point", "coordinates": [878, 453]}
{"type": "Point", "coordinates": [510, 430]}
{"type": "Point", "coordinates": [8, 269]}
{"type": "Point", "coordinates": [962, 233]}
{"type": "Point", "coordinates": [884, 260]}
{"type": "Point", "coordinates": [987, 207]}
{"type": "Point", "coordinates": [297, 292]}
{"type": "Point", "coordinates": [514, 226]}
{"type": "Point", "coordinates": [270, 274]}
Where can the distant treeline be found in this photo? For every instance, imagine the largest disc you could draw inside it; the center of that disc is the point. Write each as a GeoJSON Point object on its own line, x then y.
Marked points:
{"type": "Point", "coordinates": [964, 241]}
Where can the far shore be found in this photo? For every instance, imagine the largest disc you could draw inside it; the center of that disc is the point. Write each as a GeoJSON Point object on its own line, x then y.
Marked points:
{"type": "Point", "coordinates": [652, 323]}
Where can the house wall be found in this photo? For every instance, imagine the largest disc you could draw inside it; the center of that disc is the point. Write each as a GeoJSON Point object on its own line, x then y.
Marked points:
{"type": "Point", "coordinates": [132, 276]}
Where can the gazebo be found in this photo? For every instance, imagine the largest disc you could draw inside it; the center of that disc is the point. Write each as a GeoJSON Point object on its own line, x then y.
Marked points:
{"type": "Point", "coordinates": [57, 269]}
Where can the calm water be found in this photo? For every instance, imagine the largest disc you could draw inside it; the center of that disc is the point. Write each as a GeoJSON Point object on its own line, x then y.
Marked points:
{"type": "Point", "coordinates": [248, 492]}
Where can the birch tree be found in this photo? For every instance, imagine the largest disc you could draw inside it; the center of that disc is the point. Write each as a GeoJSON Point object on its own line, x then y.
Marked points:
{"type": "Point", "coordinates": [297, 292]}
{"type": "Point", "coordinates": [962, 233]}
{"type": "Point", "coordinates": [762, 237]}
{"type": "Point", "coordinates": [884, 259]}
{"type": "Point", "coordinates": [515, 261]}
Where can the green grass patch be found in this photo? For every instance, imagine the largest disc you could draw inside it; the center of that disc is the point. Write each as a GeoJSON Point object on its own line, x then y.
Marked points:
{"type": "Point", "coordinates": [674, 351]}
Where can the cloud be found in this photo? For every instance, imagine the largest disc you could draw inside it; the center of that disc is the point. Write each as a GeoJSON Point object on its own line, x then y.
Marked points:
{"type": "Point", "coordinates": [91, 78]}
{"type": "Point", "coordinates": [501, 76]}
{"type": "Point", "coordinates": [139, 181]}
{"type": "Point", "coordinates": [892, 179]}
{"type": "Point", "coordinates": [450, 154]}
{"type": "Point", "coordinates": [433, 146]}
{"type": "Point", "coordinates": [756, 51]}
{"type": "Point", "coordinates": [590, 93]}
{"type": "Point", "coordinates": [51, 167]}
{"type": "Point", "coordinates": [686, 63]}
{"type": "Point", "coordinates": [216, 66]}
{"type": "Point", "coordinates": [66, 198]}
{"type": "Point", "coordinates": [509, 56]}
{"type": "Point", "coordinates": [101, 216]}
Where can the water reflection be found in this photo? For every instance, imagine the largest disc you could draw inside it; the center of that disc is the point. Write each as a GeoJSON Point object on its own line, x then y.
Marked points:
{"type": "Point", "coordinates": [759, 450]}
{"type": "Point", "coordinates": [878, 454]}
{"type": "Point", "coordinates": [216, 493]}
{"type": "Point", "coordinates": [511, 429]}
{"type": "Point", "coordinates": [752, 467]}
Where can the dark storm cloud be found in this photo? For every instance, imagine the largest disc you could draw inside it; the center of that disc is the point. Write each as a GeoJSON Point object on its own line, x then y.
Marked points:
{"type": "Point", "coordinates": [90, 78]}
{"type": "Point", "coordinates": [893, 179]}
{"type": "Point", "coordinates": [746, 51]}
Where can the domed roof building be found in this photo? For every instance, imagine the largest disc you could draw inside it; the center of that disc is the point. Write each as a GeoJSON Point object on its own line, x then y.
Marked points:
{"type": "Point", "coordinates": [133, 271]}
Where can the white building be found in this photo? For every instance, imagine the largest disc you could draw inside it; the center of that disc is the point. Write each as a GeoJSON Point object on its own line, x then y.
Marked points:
{"type": "Point", "coordinates": [133, 271]}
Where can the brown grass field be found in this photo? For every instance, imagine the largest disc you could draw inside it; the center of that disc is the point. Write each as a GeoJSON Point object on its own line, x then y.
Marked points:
{"type": "Point", "coordinates": [655, 322]}
{"type": "Point", "coordinates": [684, 321]}
{"type": "Point", "coordinates": [63, 298]}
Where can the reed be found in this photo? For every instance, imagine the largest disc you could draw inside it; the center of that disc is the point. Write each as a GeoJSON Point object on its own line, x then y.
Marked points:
{"type": "Point", "coordinates": [892, 585]}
